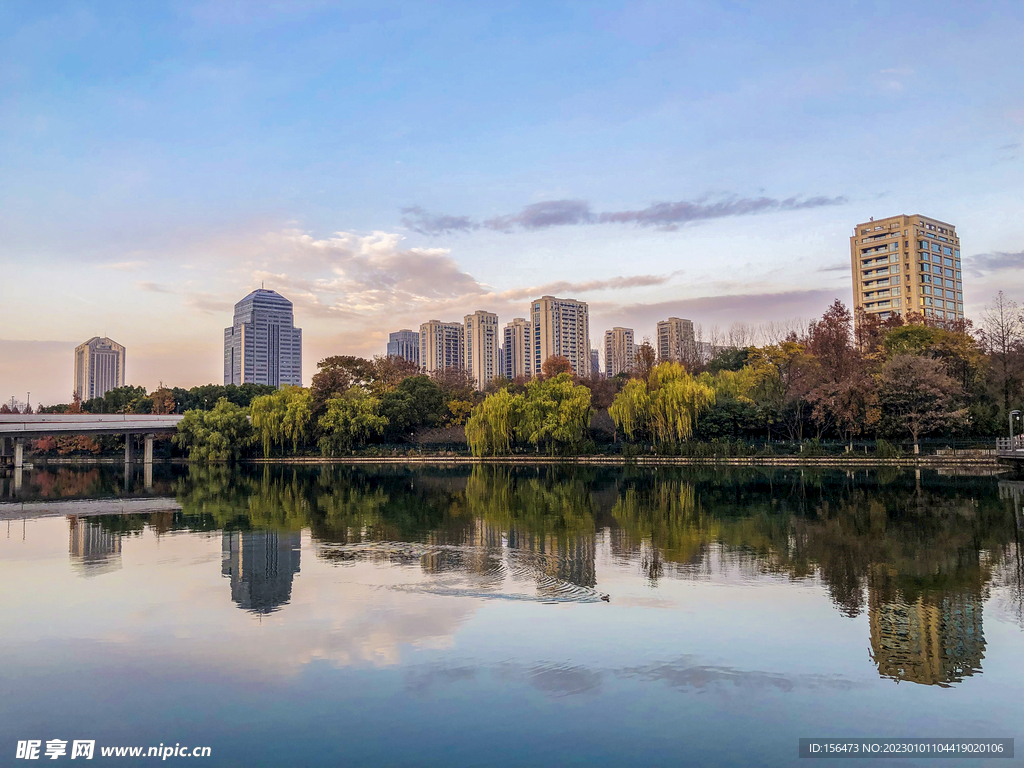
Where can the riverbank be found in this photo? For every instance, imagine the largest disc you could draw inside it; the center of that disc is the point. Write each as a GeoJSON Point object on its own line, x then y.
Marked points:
{"type": "Point", "coordinates": [952, 460]}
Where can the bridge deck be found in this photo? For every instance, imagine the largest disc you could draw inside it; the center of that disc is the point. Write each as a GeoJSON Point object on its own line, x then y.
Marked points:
{"type": "Point", "coordinates": [42, 425]}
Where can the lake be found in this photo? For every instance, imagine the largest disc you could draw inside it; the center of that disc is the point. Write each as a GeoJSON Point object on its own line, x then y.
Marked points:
{"type": "Point", "coordinates": [508, 616]}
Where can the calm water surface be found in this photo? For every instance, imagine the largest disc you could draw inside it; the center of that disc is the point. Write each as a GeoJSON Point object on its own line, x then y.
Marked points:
{"type": "Point", "coordinates": [508, 616]}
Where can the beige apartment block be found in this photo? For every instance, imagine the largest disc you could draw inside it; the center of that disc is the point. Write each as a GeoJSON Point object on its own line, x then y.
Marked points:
{"type": "Point", "coordinates": [99, 367]}
{"type": "Point", "coordinates": [907, 264]}
{"type": "Point", "coordinates": [676, 342]}
{"type": "Point", "coordinates": [515, 349]}
{"type": "Point", "coordinates": [561, 327]}
{"type": "Point", "coordinates": [619, 351]}
{"type": "Point", "coordinates": [481, 352]}
{"type": "Point", "coordinates": [442, 345]}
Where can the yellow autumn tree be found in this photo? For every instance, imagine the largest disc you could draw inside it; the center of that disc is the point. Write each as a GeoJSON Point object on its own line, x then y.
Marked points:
{"type": "Point", "coordinates": [665, 407]}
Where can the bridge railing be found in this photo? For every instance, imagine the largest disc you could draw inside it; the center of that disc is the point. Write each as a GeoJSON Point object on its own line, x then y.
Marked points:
{"type": "Point", "coordinates": [1010, 444]}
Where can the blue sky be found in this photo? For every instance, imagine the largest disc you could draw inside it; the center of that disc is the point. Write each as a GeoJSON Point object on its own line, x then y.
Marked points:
{"type": "Point", "coordinates": [385, 164]}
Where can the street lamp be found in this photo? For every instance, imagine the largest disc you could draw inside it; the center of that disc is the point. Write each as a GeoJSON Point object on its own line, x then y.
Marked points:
{"type": "Point", "coordinates": [1013, 446]}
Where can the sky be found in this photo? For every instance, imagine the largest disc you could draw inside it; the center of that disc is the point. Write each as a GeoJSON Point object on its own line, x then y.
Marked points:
{"type": "Point", "coordinates": [384, 164]}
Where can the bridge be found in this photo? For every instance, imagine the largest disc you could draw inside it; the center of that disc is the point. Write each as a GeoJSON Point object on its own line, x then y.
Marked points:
{"type": "Point", "coordinates": [1010, 450]}
{"type": "Point", "coordinates": [17, 428]}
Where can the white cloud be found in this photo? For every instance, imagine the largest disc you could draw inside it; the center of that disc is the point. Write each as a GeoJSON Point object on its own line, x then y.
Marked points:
{"type": "Point", "coordinates": [122, 266]}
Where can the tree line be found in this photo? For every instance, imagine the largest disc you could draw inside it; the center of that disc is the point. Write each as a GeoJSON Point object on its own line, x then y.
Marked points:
{"type": "Point", "coordinates": [903, 378]}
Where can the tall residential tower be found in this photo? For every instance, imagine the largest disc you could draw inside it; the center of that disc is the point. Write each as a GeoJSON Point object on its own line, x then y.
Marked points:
{"type": "Point", "coordinates": [263, 346]}
{"type": "Point", "coordinates": [675, 341]}
{"type": "Point", "coordinates": [561, 327]}
{"type": "Point", "coordinates": [480, 355]}
{"type": "Point", "coordinates": [907, 264]}
{"type": "Point", "coordinates": [516, 347]}
{"type": "Point", "coordinates": [441, 345]}
{"type": "Point", "coordinates": [619, 351]}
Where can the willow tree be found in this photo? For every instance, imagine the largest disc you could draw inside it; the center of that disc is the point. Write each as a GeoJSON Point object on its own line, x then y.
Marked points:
{"type": "Point", "coordinates": [631, 409]}
{"type": "Point", "coordinates": [351, 419]}
{"type": "Point", "coordinates": [664, 407]}
{"type": "Point", "coordinates": [221, 434]}
{"type": "Point", "coordinates": [267, 414]}
{"type": "Point", "coordinates": [555, 414]}
{"type": "Point", "coordinates": [282, 416]}
{"type": "Point", "coordinates": [491, 427]}
{"type": "Point", "coordinates": [676, 405]}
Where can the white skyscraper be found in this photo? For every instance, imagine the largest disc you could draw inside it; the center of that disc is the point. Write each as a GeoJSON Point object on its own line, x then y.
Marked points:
{"type": "Point", "coordinates": [263, 346]}
{"type": "Point", "coordinates": [99, 367]}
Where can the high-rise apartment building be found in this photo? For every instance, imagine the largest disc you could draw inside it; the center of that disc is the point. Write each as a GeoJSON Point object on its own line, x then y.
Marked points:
{"type": "Point", "coordinates": [676, 342]}
{"type": "Point", "coordinates": [907, 264]}
{"type": "Point", "coordinates": [404, 344]}
{"type": "Point", "coordinates": [263, 346]}
{"type": "Point", "coordinates": [516, 348]}
{"type": "Point", "coordinates": [595, 363]}
{"type": "Point", "coordinates": [99, 367]}
{"type": "Point", "coordinates": [482, 343]}
{"type": "Point", "coordinates": [619, 351]}
{"type": "Point", "coordinates": [442, 345]}
{"type": "Point", "coordinates": [561, 327]}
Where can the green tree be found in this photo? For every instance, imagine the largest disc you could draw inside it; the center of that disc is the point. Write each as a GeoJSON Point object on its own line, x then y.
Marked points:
{"type": "Point", "coordinates": [298, 415]}
{"type": "Point", "coordinates": [556, 413]}
{"type": "Point", "coordinates": [786, 374]}
{"type": "Point", "coordinates": [678, 398]}
{"type": "Point", "coordinates": [222, 434]}
{"type": "Point", "coordinates": [349, 420]}
{"type": "Point", "coordinates": [125, 399]}
{"type": "Point", "coordinates": [492, 426]}
{"type": "Point", "coordinates": [416, 402]}
{"type": "Point", "coordinates": [631, 409]}
{"type": "Point", "coordinates": [665, 406]}
{"type": "Point", "coordinates": [281, 417]}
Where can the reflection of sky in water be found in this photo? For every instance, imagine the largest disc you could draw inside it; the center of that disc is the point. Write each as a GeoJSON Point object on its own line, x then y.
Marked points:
{"type": "Point", "coordinates": [280, 649]}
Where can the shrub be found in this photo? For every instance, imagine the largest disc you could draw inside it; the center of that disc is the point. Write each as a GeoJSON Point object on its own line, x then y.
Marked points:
{"type": "Point", "coordinates": [886, 450]}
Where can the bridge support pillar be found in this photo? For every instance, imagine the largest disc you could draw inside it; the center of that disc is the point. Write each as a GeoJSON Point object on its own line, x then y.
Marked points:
{"type": "Point", "coordinates": [19, 452]}
{"type": "Point", "coordinates": [128, 448]}
{"type": "Point", "coordinates": [147, 465]}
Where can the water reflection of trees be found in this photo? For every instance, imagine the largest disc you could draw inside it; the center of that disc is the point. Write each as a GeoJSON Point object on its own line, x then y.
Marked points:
{"type": "Point", "coordinates": [917, 558]}
{"type": "Point", "coordinates": [918, 553]}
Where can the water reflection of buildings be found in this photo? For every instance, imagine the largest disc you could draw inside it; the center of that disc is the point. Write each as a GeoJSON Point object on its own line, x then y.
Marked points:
{"type": "Point", "coordinates": [566, 558]}
{"type": "Point", "coordinates": [490, 551]}
{"type": "Point", "coordinates": [929, 641]}
{"type": "Point", "coordinates": [261, 566]}
{"type": "Point", "coordinates": [93, 550]}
